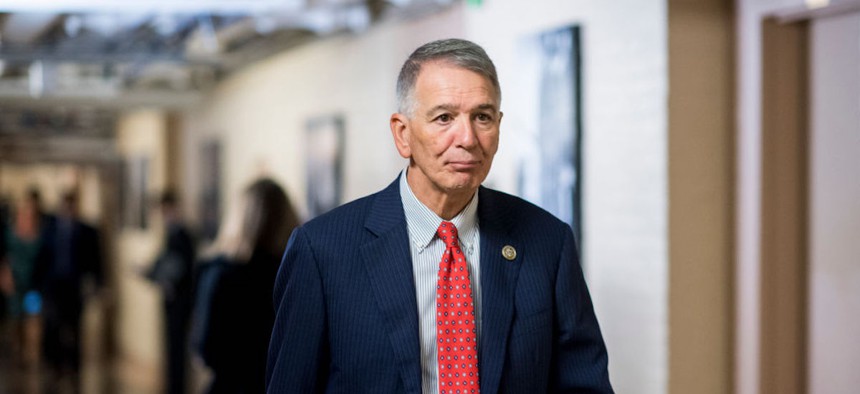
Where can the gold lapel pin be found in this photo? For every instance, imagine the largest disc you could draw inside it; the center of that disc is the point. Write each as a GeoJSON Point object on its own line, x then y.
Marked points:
{"type": "Point", "coordinates": [509, 253]}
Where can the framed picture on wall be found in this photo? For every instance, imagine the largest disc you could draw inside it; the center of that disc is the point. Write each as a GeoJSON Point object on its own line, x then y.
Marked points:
{"type": "Point", "coordinates": [134, 197]}
{"type": "Point", "coordinates": [210, 189]}
{"type": "Point", "coordinates": [324, 164]}
{"type": "Point", "coordinates": [550, 166]}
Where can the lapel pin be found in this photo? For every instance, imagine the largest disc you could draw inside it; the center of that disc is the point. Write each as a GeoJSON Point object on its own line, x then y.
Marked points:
{"type": "Point", "coordinates": [509, 253]}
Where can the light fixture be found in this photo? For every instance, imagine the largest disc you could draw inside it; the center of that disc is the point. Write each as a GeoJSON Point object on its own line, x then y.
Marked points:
{"type": "Point", "coordinates": [813, 4]}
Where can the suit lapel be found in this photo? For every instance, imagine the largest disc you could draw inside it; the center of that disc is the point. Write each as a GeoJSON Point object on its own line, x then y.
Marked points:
{"type": "Point", "coordinates": [498, 282]}
{"type": "Point", "coordinates": [389, 266]}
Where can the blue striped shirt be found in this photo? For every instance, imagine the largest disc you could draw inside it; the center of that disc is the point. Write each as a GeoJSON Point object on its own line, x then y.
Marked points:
{"type": "Point", "coordinates": [426, 250]}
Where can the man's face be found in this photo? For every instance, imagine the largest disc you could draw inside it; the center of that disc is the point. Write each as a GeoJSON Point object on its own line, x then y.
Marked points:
{"type": "Point", "coordinates": [452, 132]}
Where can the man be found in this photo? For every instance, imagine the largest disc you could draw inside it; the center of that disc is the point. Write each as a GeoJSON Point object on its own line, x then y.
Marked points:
{"type": "Point", "coordinates": [390, 293]}
{"type": "Point", "coordinates": [68, 269]}
{"type": "Point", "coordinates": [172, 272]}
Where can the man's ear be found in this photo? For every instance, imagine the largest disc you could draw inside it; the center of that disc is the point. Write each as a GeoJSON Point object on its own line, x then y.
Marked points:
{"type": "Point", "coordinates": [399, 124]}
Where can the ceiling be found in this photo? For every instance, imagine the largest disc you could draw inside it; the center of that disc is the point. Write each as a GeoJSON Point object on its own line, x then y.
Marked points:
{"type": "Point", "coordinates": [115, 53]}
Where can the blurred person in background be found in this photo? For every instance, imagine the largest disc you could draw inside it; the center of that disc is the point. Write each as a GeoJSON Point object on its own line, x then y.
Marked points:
{"type": "Point", "coordinates": [22, 241]}
{"type": "Point", "coordinates": [69, 271]}
{"type": "Point", "coordinates": [172, 273]}
{"type": "Point", "coordinates": [233, 310]}
{"type": "Point", "coordinates": [6, 286]}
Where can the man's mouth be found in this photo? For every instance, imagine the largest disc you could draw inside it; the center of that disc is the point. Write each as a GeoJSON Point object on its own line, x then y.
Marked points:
{"type": "Point", "coordinates": [464, 165]}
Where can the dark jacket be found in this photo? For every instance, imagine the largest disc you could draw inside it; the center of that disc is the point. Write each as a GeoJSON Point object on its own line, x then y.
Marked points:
{"type": "Point", "coordinates": [347, 319]}
{"type": "Point", "coordinates": [173, 268]}
{"type": "Point", "coordinates": [233, 318]}
{"type": "Point", "coordinates": [70, 253]}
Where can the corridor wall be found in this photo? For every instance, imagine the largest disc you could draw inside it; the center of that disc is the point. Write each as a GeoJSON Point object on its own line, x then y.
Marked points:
{"type": "Point", "coordinates": [624, 136]}
{"type": "Point", "coordinates": [141, 134]}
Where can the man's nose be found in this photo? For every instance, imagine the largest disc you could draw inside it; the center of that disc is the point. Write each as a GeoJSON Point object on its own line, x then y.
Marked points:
{"type": "Point", "coordinates": [466, 133]}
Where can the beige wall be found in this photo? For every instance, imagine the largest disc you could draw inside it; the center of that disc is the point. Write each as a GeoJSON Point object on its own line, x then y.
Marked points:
{"type": "Point", "coordinates": [141, 133]}
{"type": "Point", "coordinates": [701, 196]}
{"type": "Point", "coordinates": [748, 212]}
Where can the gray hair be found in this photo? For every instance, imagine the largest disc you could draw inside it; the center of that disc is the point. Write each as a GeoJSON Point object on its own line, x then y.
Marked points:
{"type": "Point", "coordinates": [460, 53]}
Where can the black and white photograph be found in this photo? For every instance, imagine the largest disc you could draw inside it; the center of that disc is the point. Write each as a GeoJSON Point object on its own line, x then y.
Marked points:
{"type": "Point", "coordinates": [136, 200]}
{"type": "Point", "coordinates": [325, 142]}
{"type": "Point", "coordinates": [210, 189]}
{"type": "Point", "coordinates": [549, 172]}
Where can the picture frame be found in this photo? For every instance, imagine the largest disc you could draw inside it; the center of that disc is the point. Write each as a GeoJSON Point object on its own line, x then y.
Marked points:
{"type": "Point", "coordinates": [325, 142]}
{"type": "Point", "coordinates": [209, 199]}
{"type": "Point", "coordinates": [550, 163]}
{"type": "Point", "coordinates": [135, 198]}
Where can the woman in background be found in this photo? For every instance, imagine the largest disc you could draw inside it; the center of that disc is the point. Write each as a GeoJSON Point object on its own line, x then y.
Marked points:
{"type": "Point", "coordinates": [23, 242]}
{"type": "Point", "coordinates": [233, 309]}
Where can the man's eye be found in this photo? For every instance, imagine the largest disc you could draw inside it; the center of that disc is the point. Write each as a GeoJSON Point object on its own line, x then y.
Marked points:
{"type": "Point", "coordinates": [484, 117]}
{"type": "Point", "coordinates": [444, 118]}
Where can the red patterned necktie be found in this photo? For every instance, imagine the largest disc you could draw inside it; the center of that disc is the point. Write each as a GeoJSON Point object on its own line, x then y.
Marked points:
{"type": "Point", "coordinates": [456, 338]}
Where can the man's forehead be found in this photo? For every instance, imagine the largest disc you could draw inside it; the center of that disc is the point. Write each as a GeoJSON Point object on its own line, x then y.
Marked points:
{"type": "Point", "coordinates": [435, 67]}
{"type": "Point", "coordinates": [440, 80]}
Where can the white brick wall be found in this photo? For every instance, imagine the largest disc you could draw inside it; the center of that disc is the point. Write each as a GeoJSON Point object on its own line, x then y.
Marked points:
{"type": "Point", "coordinates": [624, 160]}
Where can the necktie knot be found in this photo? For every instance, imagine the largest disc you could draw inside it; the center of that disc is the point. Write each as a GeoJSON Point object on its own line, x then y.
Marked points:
{"type": "Point", "coordinates": [447, 232]}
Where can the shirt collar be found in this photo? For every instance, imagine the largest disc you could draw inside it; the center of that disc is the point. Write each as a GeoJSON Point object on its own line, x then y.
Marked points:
{"type": "Point", "coordinates": [422, 222]}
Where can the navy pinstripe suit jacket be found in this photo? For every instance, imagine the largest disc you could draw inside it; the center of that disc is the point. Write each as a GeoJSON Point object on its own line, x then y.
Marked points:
{"type": "Point", "coordinates": [347, 319]}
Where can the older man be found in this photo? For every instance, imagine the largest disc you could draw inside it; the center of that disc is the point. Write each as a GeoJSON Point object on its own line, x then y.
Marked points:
{"type": "Point", "coordinates": [436, 284]}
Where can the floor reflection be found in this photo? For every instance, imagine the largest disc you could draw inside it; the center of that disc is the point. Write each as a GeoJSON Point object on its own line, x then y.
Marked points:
{"type": "Point", "coordinates": [98, 376]}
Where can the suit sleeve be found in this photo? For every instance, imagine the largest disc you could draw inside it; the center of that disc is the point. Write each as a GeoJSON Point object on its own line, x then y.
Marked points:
{"type": "Point", "coordinates": [579, 363]}
{"type": "Point", "coordinates": [298, 351]}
